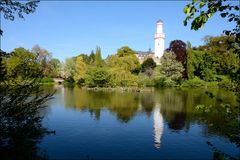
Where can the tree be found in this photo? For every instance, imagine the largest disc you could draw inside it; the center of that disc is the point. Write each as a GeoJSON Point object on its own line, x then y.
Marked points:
{"type": "Point", "coordinates": [80, 70]}
{"type": "Point", "coordinates": [125, 59]}
{"type": "Point", "coordinates": [43, 58]}
{"type": "Point", "coordinates": [221, 47]}
{"type": "Point", "coordinates": [10, 8]}
{"type": "Point", "coordinates": [201, 64]}
{"type": "Point", "coordinates": [55, 67]}
{"type": "Point", "coordinates": [170, 68]}
{"type": "Point", "coordinates": [148, 66]}
{"type": "Point", "coordinates": [199, 11]}
{"type": "Point", "coordinates": [120, 77]}
{"type": "Point", "coordinates": [178, 47]}
{"type": "Point", "coordinates": [97, 77]}
{"type": "Point", "coordinates": [98, 57]}
{"type": "Point", "coordinates": [21, 64]}
{"type": "Point", "coordinates": [69, 69]}
{"type": "Point", "coordinates": [148, 63]}
{"type": "Point", "coordinates": [91, 57]}
{"type": "Point", "coordinates": [125, 51]}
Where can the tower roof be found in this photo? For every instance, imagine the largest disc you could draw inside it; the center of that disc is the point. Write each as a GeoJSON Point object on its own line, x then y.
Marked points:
{"type": "Point", "coordinates": [159, 21]}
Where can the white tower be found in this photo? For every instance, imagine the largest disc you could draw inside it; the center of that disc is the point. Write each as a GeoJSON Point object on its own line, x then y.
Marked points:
{"type": "Point", "coordinates": [159, 40]}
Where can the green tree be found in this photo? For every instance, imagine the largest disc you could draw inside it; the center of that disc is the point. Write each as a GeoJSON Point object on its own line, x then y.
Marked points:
{"type": "Point", "coordinates": [125, 51]}
{"type": "Point", "coordinates": [97, 77]}
{"type": "Point", "coordinates": [221, 47]}
{"type": "Point", "coordinates": [121, 77]}
{"type": "Point", "coordinates": [170, 68]}
{"type": "Point", "coordinates": [201, 64]}
{"type": "Point", "coordinates": [91, 57]}
{"type": "Point", "coordinates": [80, 70]}
{"type": "Point", "coordinates": [124, 59]}
{"type": "Point", "coordinates": [21, 64]}
{"type": "Point", "coordinates": [98, 61]}
{"type": "Point", "coordinates": [148, 63]}
{"type": "Point", "coordinates": [55, 67]}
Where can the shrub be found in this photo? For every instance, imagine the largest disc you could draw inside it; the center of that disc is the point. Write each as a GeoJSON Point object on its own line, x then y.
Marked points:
{"type": "Point", "coordinates": [46, 80]}
{"type": "Point", "coordinates": [97, 77]}
{"type": "Point", "coordinates": [195, 82]}
{"type": "Point", "coordinates": [226, 84]}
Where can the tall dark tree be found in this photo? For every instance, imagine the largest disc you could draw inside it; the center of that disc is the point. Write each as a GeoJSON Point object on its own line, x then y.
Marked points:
{"type": "Point", "coordinates": [148, 63]}
{"type": "Point", "coordinates": [179, 48]}
{"type": "Point", "coordinates": [148, 66]}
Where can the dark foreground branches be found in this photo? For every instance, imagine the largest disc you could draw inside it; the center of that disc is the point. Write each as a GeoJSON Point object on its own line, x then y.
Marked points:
{"type": "Point", "coordinates": [22, 104]}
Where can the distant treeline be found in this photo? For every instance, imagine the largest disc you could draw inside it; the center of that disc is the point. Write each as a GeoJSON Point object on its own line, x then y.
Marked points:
{"type": "Point", "coordinates": [214, 64]}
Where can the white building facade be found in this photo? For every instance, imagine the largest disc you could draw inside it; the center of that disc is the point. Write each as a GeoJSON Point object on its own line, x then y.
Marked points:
{"type": "Point", "coordinates": [159, 40]}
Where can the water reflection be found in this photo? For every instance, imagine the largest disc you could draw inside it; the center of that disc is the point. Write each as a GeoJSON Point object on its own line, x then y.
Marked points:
{"type": "Point", "coordinates": [158, 125]}
{"type": "Point", "coordinates": [174, 106]}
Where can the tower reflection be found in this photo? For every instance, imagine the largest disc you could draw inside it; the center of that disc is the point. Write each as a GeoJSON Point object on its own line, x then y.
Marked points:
{"type": "Point", "coordinates": [158, 125]}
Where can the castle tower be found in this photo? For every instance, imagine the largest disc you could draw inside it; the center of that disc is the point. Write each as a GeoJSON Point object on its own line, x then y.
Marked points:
{"type": "Point", "coordinates": [159, 40]}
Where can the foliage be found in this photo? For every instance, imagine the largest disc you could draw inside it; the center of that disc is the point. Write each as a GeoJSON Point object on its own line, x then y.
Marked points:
{"type": "Point", "coordinates": [121, 77]}
{"type": "Point", "coordinates": [98, 57]}
{"type": "Point", "coordinates": [80, 70]}
{"type": "Point", "coordinates": [69, 68]}
{"type": "Point", "coordinates": [193, 83]}
{"type": "Point", "coordinates": [124, 59]}
{"type": "Point", "coordinates": [170, 68]}
{"type": "Point", "coordinates": [43, 57]}
{"type": "Point", "coordinates": [209, 61]}
{"type": "Point", "coordinates": [200, 11]}
{"type": "Point", "coordinates": [45, 80]}
{"type": "Point", "coordinates": [201, 64]}
{"type": "Point", "coordinates": [125, 51]}
{"type": "Point", "coordinates": [221, 47]}
{"type": "Point", "coordinates": [97, 77]}
{"type": "Point", "coordinates": [55, 68]}
{"type": "Point", "coordinates": [21, 128]}
{"type": "Point", "coordinates": [148, 66]}
{"type": "Point", "coordinates": [22, 63]}
{"type": "Point", "coordinates": [178, 47]}
{"type": "Point", "coordinates": [9, 8]}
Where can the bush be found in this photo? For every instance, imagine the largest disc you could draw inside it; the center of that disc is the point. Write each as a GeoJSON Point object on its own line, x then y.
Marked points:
{"type": "Point", "coordinates": [169, 83]}
{"type": "Point", "coordinates": [97, 77]}
{"type": "Point", "coordinates": [123, 78]}
{"type": "Point", "coordinates": [144, 81]}
{"type": "Point", "coordinates": [195, 82]}
{"type": "Point", "coordinates": [159, 82]}
{"type": "Point", "coordinates": [46, 80]}
{"type": "Point", "coordinates": [225, 83]}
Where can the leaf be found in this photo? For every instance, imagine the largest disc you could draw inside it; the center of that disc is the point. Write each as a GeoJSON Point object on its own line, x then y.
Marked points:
{"type": "Point", "coordinates": [224, 14]}
{"type": "Point", "coordinates": [201, 4]}
{"type": "Point", "coordinates": [185, 22]}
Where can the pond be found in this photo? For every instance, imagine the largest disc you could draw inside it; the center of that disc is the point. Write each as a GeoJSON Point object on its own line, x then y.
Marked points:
{"type": "Point", "coordinates": [154, 124]}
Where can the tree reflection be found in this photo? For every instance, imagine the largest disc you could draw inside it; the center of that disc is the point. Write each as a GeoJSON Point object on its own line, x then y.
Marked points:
{"type": "Point", "coordinates": [21, 103]}
{"type": "Point", "coordinates": [124, 105]}
{"type": "Point", "coordinates": [175, 107]}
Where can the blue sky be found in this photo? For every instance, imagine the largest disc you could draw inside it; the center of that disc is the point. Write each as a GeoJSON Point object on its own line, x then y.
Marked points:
{"type": "Point", "coordinates": [67, 29]}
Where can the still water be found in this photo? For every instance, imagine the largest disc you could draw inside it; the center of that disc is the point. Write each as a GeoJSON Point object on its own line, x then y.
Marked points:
{"type": "Point", "coordinates": [154, 124]}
